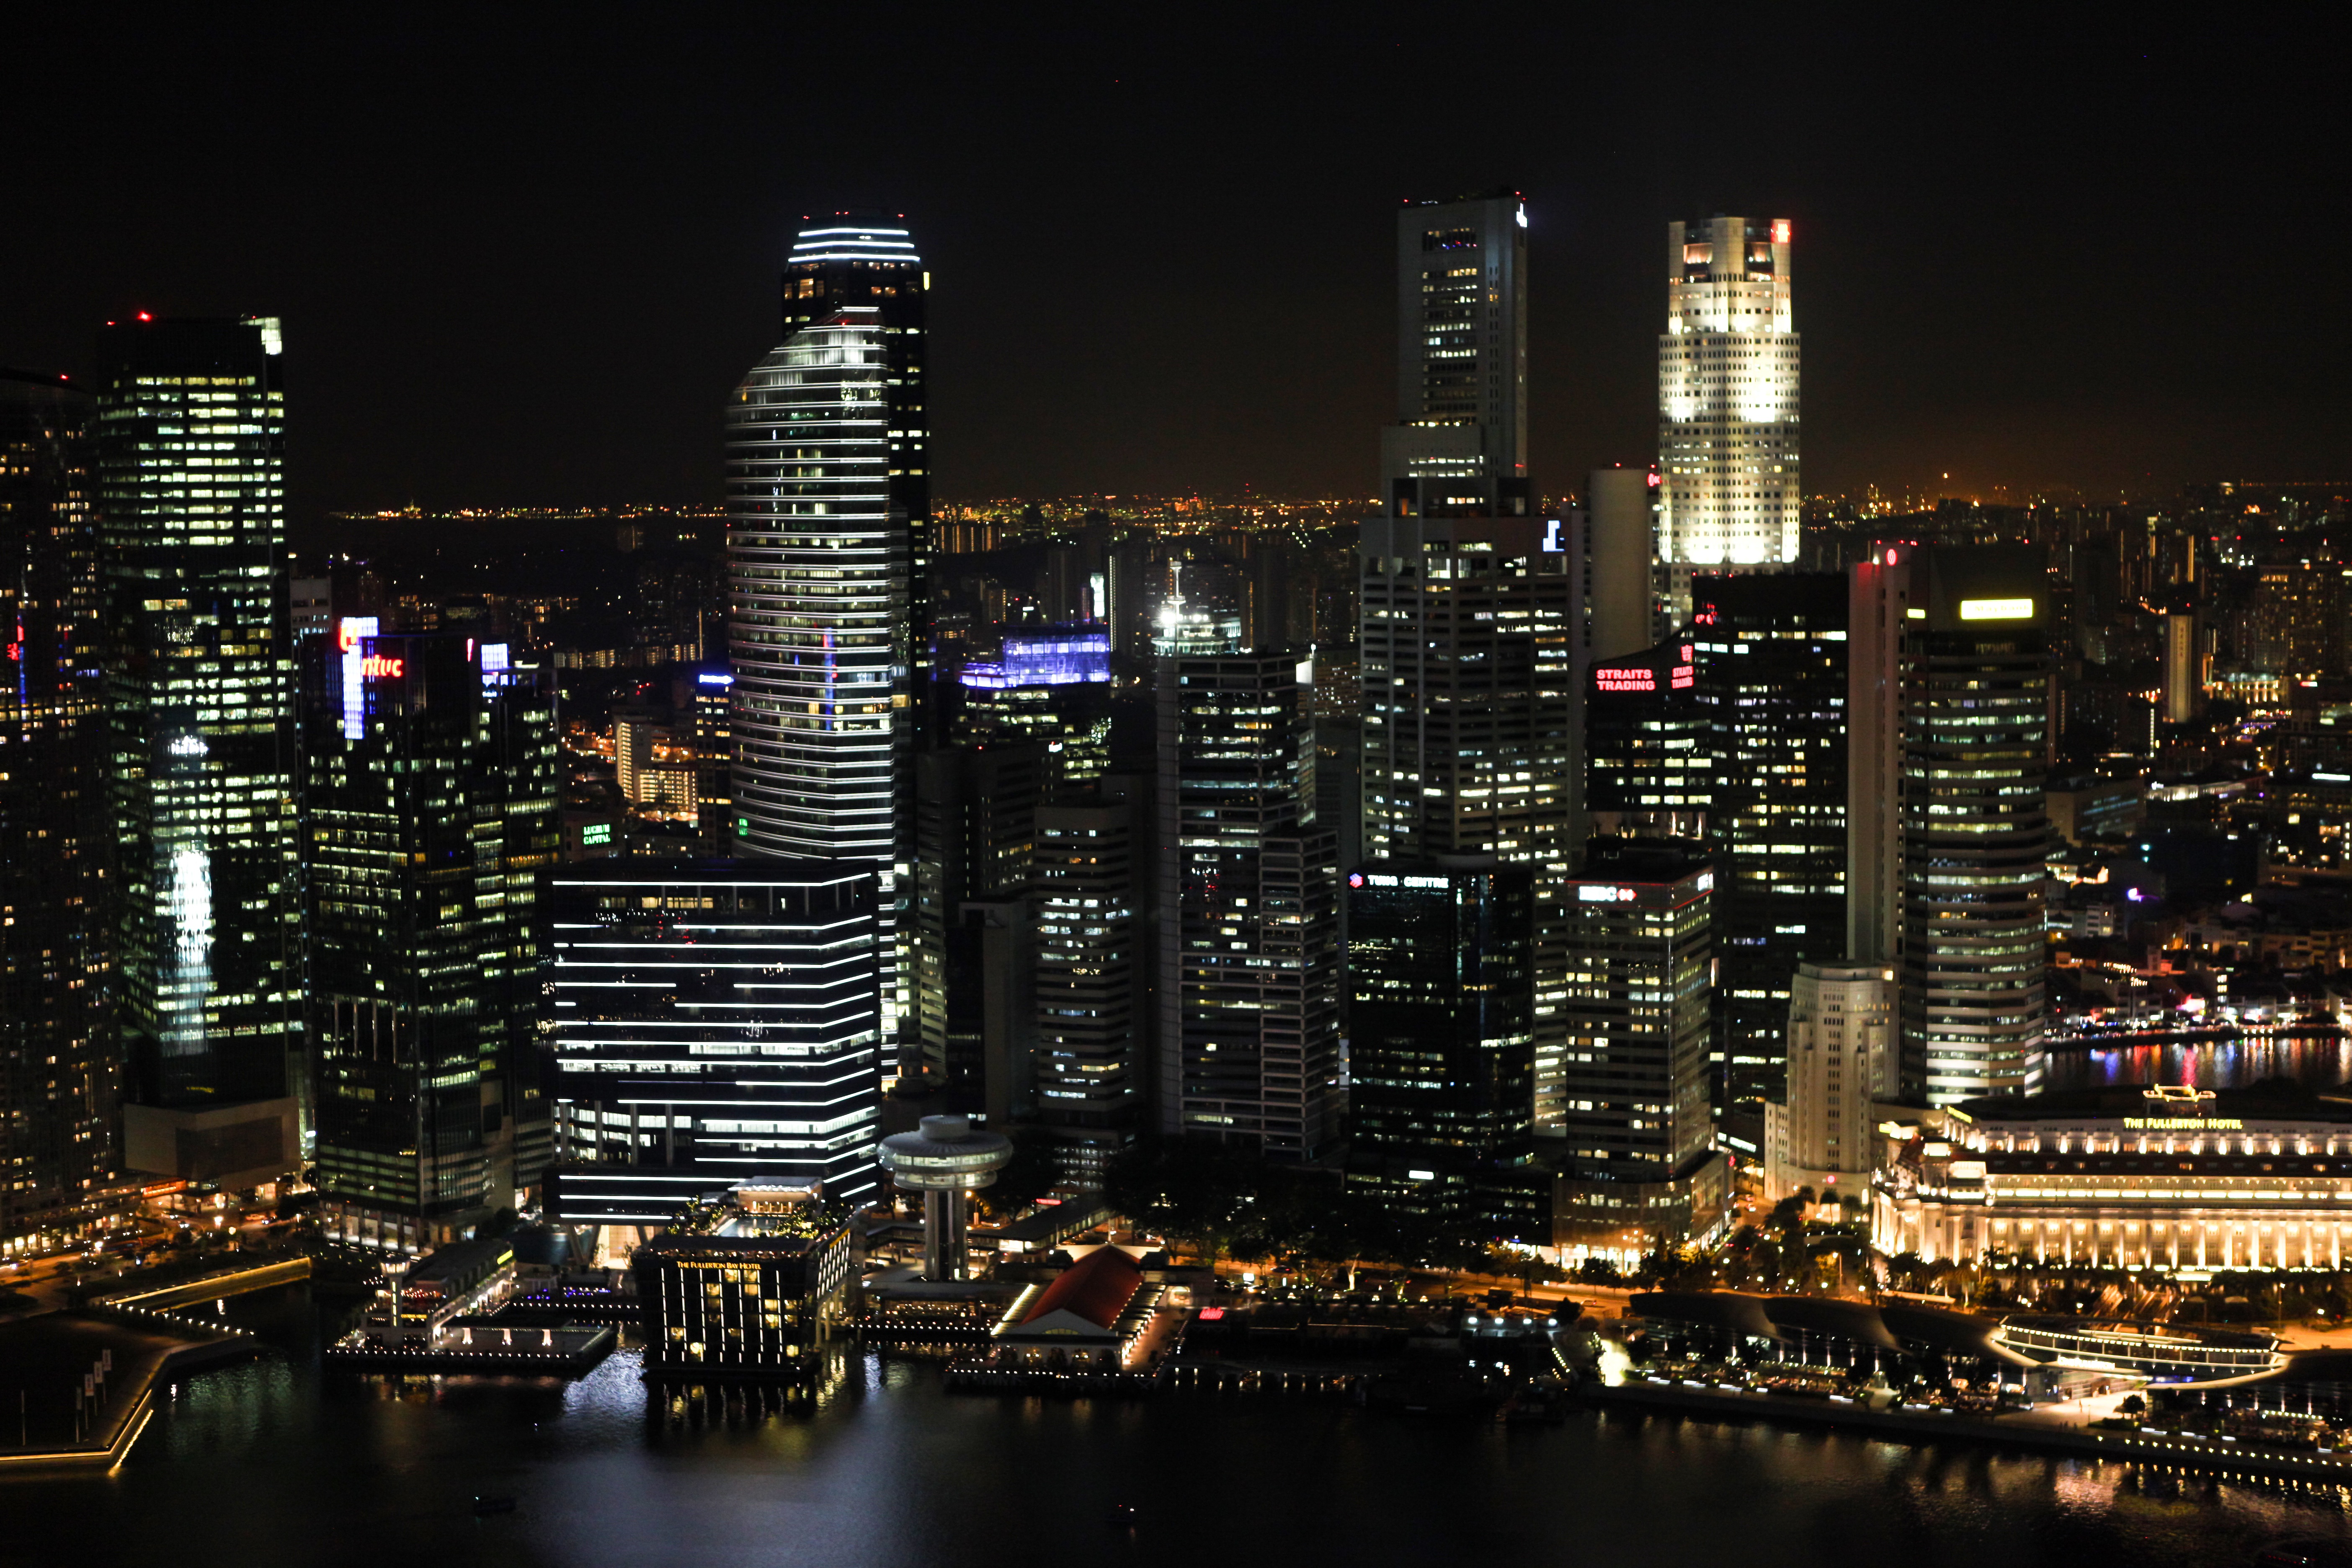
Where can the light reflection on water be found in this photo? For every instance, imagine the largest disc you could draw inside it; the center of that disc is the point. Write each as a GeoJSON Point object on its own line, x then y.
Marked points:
{"type": "Point", "coordinates": [2321, 1061]}
{"type": "Point", "coordinates": [270, 1464]}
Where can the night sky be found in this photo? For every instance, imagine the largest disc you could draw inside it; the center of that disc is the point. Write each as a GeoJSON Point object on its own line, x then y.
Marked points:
{"type": "Point", "coordinates": [522, 263]}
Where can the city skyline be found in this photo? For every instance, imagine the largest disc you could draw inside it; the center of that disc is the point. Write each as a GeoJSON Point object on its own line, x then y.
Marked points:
{"type": "Point", "coordinates": [1559, 927]}
{"type": "Point", "coordinates": [1966, 249]}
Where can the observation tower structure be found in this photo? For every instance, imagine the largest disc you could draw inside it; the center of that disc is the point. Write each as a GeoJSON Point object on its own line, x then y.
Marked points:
{"type": "Point", "coordinates": [946, 1161]}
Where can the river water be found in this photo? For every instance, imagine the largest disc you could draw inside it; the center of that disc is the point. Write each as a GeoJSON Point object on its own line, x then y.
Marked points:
{"type": "Point", "coordinates": [273, 1463]}
{"type": "Point", "coordinates": [2323, 1061]}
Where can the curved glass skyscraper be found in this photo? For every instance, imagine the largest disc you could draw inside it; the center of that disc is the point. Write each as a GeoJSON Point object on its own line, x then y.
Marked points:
{"type": "Point", "coordinates": [818, 600]}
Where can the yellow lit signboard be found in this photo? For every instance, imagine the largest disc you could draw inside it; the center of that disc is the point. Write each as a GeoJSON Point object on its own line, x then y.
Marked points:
{"type": "Point", "coordinates": [1996, 609]}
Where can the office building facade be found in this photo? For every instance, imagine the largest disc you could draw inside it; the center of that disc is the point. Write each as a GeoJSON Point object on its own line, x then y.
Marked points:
{"type": "Point", "coordinates": [1467, 664]}
{"type": "Point", "coordinates": [1728, 443]}
{"type": "Point", "coordinates": [1772, 663]}
{"type": "Point", "coordinates": [715, 1022]}
{"type": "Point", "coordinates": [976, 823]}
{"type": "Point", "coordinates": [1249, 1025]}
{"type": "Point", "coordinates": [1948, 727]}
{"type": "Point", "coordinates": [59, 1078]}
{"type": "Point", "coordinates": [1635, 1167]}
{"type": "Point", "coordinates": [1459, 443]}
{"type": "Point", "coordinates": [1466, 606]}
{"type": "Point", "coordinates": [1641, 953]}
{"type": "Point", "coordinates": [1844, 1061]}
{"type": "Point", "coordinates": [1441, 1033]}
{"type": "Point", "coordinates": [1651, 735]}
{"type": "Point", "coordinates": [1090, 894]}
{"type": "Point", "coordinates": [199, 688]}
{"type": "Point", "coordinates": [868, 259]}
{"type": "Point", "coordinates": [818, 623]}
{"type": "Point", "coordinates": [430, 790]}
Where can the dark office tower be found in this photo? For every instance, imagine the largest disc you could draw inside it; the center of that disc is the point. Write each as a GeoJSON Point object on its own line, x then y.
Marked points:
{"type": "Point", "coordinates": [1131, 585]}
{"type": "Point", "coordinates": [1772, 656]}
{"type": "Point", "coordinates": [715, 1022]}
{"type": "Point", "coordinates": [1638, 1142]}
{"type": "Point", "coordinates": [1622, 519]}
{"type": "Point", "coordinates": [1441, 1038]}
{"type": "Point", "coordinates": [975, 830]}
{"type": "Point", "coordinates": [1459, 443]}
{"type": "Point", "coordinates": [207, 902]}
{"type": "Point", "coordinates": [1249, 1031]}
{"type": "Point", "coordinates": [1466, 646]}
{"type": "Point", "coordinates": [1089, 881]}
{"type": "Point", "coordinates": [817, 628]}
{"type": "Point", "coordinates": [1949, 726]}
{"type": "Point", "coordinates": [1650, 739]}
{"type": "Point", "coordinates": [864, 257]}
{"type": "Point", "coordinates": [1468, 709]}
{"type": "Point", "coordinates": [58, 1078]}
{"type": "Point", "coordinates": [430, 784]}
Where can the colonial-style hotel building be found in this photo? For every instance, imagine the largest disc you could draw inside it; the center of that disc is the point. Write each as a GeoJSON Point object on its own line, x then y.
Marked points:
{"type": "Point", "coordinates": [2169, 1179]}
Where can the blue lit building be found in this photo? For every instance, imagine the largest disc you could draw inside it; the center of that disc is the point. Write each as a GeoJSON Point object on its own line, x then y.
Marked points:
{"type": "Point", "coordinates": [1052, 688]}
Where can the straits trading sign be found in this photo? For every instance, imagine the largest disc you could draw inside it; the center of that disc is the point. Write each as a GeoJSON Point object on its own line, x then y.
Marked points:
{"type": "Point", "coordinates": [2183, 1124]}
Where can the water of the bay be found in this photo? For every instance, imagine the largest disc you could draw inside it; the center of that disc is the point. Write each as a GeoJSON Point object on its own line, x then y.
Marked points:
{"type": "Point", "coordinates": [273, 1464]}
{"type": "Point", "coordinates": [2322, 1061]}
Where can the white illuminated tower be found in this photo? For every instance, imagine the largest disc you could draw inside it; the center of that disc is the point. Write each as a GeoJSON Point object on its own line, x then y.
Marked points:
{"type": "Point", "coordinates": [1727, 432]}
{"type": "Point", "coordinates": [817, 614]}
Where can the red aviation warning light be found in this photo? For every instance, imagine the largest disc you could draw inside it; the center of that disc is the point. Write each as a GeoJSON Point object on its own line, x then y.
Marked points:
{"type": "Point", "coordinates": [1780, 231]}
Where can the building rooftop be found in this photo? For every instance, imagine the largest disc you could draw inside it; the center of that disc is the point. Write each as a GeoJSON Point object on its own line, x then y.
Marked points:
{"type": "Point", "coordinates": [1096, 1288]}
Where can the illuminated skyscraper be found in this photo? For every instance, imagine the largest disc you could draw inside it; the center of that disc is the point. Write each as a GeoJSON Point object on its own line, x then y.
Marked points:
{"type": "Point", "coordinates": [1091, 869]}
{"type": "Point", "coordinates": [430, 792]}
{"type": "Point", "coordinates": [817, 624]}
{"type": "Point", "coordinates": [865, 258]}
{"type": "Point", "coordinates": [1249, 1004]}
{"type": "Point", "coordinates": [714, 1024]}
{"type": "Point", "coordinates": [1467, 601]}
{"type": "Point", "coordinates": [58, 1077]}
{"type": "Point", "coordinates": [1728, 431]}
{"type": "Point", "coordinates": [1637, 1159]}
{"type": "Point", "coordinates": [1948, 719]}
{"type": "Point", "coordinates": [199, 689]}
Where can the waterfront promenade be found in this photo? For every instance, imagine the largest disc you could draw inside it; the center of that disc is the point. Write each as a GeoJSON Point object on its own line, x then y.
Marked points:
{"type": "Point", "coordinates": [2068, 1427]}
